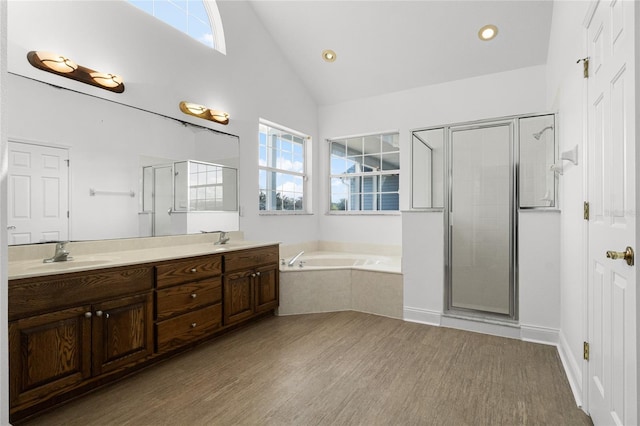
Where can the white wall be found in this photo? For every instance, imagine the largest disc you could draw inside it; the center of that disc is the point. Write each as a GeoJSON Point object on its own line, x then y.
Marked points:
{"type": "Point", "coordinates": [513, 92]}
{"type": "Point", "coordinates": [565, 93]}
{"type": "Point", "coordinates": [162, 67]}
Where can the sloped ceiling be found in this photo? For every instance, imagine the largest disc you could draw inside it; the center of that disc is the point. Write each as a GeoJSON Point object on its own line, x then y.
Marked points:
{"type": "Point", "coordinates": [388, 46]}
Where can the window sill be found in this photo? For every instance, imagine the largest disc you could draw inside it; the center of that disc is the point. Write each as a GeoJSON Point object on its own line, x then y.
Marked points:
{"type": "Point", "coordinates": [283, 213]}
{"type": "Point", "coordinates": [364, 213]}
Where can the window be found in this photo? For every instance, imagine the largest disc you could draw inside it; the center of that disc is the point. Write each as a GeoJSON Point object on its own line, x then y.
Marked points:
{"type": "Point", "coordinates": [282, 170]}
{"type": "Point", "coordinates": [365, 173]}
{"type": "Point", "coordinates": [196, 18]}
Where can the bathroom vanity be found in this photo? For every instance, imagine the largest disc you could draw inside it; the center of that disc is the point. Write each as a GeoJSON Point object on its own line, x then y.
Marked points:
{"type": "Point", "coordinates": [77, 325]}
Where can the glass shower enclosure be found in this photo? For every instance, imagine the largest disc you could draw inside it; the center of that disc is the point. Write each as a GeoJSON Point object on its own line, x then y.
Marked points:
{"type": "Point", "coordinates": [482, 175]}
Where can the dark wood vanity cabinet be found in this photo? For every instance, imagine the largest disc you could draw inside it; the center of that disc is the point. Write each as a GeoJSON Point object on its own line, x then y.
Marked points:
{"type": "Point", "coordinates": [48, 354]}
{"type": "Point", "coordinates": [251, 283]}
{"type": "Point", "coordinates": [188, 301]}
{"type": "Point", "coordinates": [61, 343]}
{"type": "Point", "coordinates": [121, 332]}
{"type": "Point", "coordinates": [72, 332]}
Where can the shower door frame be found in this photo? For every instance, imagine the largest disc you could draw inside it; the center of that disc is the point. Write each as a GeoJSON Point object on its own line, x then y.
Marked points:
{"type": "Point", "coordinates": [512, 123]}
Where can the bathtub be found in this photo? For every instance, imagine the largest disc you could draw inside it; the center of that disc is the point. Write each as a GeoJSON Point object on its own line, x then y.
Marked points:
{"type": "Point", "coordinates": [339, 281]}
{"type": "Point", "coordinates": [322, 260]}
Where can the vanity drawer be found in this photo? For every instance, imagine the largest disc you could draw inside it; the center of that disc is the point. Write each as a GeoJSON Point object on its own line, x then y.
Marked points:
{"type": "Point", "coordinates": [196, 269]}
{"type": "Point", "coordinates": [188, 327]}
{"type": "Point", "coordinates": [249, 259]}
{"type": "Point", "coordinates": [186, 297]}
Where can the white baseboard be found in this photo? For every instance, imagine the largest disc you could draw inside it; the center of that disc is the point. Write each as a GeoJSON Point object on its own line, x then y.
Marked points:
{"type": "Point", "coordinates": [422, 316]}
{"type": "Point", "coordinates": [537, 334]}
{"type": "Point", "coordinates": [571, 368]}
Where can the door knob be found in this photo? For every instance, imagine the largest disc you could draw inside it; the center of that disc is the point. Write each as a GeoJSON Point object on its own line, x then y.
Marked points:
{"type": "Point", "coordinates": [624, 255]}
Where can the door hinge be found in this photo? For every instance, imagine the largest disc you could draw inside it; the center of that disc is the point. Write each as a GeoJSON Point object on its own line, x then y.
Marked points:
{"type": "Point", "coordinates": [585, 351]}
{"type": "Point", "coordinates": [586, 210]}
{"type": "Point", "coordinates": [585, 66]}
{"type": "Point", "coordinates": [67, 161]}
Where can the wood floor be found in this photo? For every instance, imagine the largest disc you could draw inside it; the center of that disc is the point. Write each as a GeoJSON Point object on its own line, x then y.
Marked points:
{"type": "Point", "coordinates": [343, 368]}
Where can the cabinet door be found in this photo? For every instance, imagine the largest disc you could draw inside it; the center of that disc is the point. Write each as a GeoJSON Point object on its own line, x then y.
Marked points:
{"type": "Point", "coordinates": [48, 354]}
{"type": "Point", "coordinates": [266, 288]}
{"type": "Point", "coordinates": [122, 332]}
{"type": "Point", "coordinates": [238, 296]}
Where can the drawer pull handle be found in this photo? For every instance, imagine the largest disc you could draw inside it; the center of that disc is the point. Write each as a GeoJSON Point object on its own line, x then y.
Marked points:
{"type": "Point", "coordinates": [193, 325]}
{"type": "Point", "coordinates": [87, 314]}
{"type": "Point", "coordinates": [194, 270]}
{"type": "Point", "coordinates": [194, 295]}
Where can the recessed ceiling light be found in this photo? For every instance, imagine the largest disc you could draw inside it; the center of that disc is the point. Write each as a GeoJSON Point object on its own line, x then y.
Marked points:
{"type": "Point", "coordinates": [329, 55]}
{"type": "Point", "coordinates": [488, 32]}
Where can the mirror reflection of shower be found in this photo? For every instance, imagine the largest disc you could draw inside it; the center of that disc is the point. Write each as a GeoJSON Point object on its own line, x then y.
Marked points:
{"type": "Point", "coordinates": [538, 135]}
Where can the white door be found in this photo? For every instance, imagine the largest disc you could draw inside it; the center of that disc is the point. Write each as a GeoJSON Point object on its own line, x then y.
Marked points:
{"type": "Point", "coordinates": [612, 179]}
{"type": "Point", "coordinates": [38, 194]}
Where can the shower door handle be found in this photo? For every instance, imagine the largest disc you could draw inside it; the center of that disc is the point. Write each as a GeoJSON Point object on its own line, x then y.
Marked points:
{"type": "Point", "coordinates": [626, 255]}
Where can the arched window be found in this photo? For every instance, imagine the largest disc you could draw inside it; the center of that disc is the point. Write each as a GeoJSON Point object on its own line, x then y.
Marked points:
{"type": "Point", "coordinates": [200, 19]}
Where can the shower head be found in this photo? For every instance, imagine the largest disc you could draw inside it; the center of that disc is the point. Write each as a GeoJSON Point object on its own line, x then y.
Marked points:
{"type": "Point", "coordinates": [539, 134]}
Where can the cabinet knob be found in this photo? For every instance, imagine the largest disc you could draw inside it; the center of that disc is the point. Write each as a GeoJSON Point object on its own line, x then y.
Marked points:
{"type": "Point", "coordinates": [193, 325]}
{"type": "Point", "coordinates": [194, 270]}
{"type": "Point", "coordinates": [258, 273]}
{"type": "Point", "coordinates": [106, 316]}
{"type": "Point", "coordinates": [194, 295]}
{"type": "Point", "coordinates": [87, 314]}
{"type": "Point", "coordinates": [253, 275]}
{"type": "Point", "coordinates": [98, 313]}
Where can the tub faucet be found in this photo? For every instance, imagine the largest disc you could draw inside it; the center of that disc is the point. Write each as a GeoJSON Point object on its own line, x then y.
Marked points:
{"type": "Point", "coordinates": [294, 258]}
{"type": "Point", "coordinates": [61, 254]}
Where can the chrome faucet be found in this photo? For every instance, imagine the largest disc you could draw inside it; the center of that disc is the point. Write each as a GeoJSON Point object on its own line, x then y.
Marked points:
{"type": "Point", "coordinates": [294, 258]}
{"type": "Point", "coordinates": [222, 238]}
{"type": "Point", "coordinates": [61, 254]}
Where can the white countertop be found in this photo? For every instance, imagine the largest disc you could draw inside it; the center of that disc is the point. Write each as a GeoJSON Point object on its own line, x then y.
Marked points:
{"type": "Point", "coordinates": [86, 262]}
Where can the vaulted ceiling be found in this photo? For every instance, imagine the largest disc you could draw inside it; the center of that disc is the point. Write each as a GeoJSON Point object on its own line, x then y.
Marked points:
{"type": "Point", "coordinates": [393, 45]}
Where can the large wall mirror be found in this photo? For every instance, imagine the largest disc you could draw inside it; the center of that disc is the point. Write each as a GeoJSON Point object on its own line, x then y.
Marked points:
{"type": "Point", "coordinates": [93, 158]}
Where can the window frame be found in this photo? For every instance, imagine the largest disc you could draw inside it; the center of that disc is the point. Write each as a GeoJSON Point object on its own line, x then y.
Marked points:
{"type": "Point", "coordinates": [214, 20]}
{"type": "Point", "coordinates": [364, 174]}
{"type": "Point", "coordinates": [306, 192]}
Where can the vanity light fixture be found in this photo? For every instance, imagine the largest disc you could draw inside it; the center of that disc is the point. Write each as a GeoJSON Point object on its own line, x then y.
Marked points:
{"type": "Point", "coordinates": [65, 67]}
{"type": "Point", "coordinates": [329, 55]}
{"type": "Point", "coordinates": [202, 111]}
{"type": "Point", "coordinates": [488, 32]}
{"type": "Point", "coordinates": [106, 80]}
{"type": "Point", "coordinates": [55, 62]}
